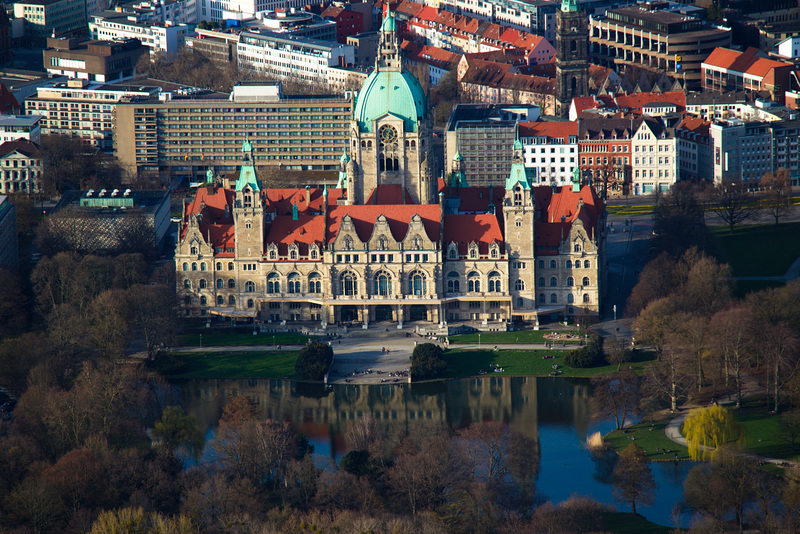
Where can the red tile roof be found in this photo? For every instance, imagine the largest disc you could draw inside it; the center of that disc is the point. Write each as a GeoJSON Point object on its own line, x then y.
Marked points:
{"type": "Point", "coordinates": [23, 146]}
{"type": "Point", "coordinates": [584, 205]}
{"type": "Point", "coordinates": [307, 229]}
{"type": "Point", "coordinates": [389, 194]}
{"type": "Point", "coordinates": [214, 222]}
{"type": "Point", "coordinates": [438, 57]}
{"type": "Point", "coordinates": [464, 229]}
{"type": "Point", "coordinates": [398, 217]}
{"type": "Point", "coordinates": [745, 62]}
{"type": "Point", "coordinates": [552, 130]}
{"type": "Point", "coordinates": [636, 101]}
{"type": "Point", "coordinates": [8, 102]}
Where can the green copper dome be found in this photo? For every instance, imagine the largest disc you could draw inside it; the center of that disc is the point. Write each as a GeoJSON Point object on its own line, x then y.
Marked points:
{"type": "Point", "coordinates": [398, 93]}
{"type": "Point", "coordinates": [388, 24]}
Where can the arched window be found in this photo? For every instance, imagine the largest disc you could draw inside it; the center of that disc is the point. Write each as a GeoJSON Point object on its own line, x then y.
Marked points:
{"type": "Point", "coordinates": [519, 285]}
{"type": "Point", "coordinates": [219, 265]}
{"type": "Point", "coordinates": [293, 254]}
{"type": "Point", "coordinates": [193, 250]}
{"type": "Point", "coordinates": [194, 266]}
{"type": "Point", "coordinates": [313, 254]}
{"type": "Point", "coordinates": [473, 252]}
{"type": "Point", "coordinates": [220, 300]}
{"type": "Point", "coordinates": [273, 283]}
{"type": "Point", "coordinates": [494, 282]}
{"type": "Point", "coordinates": [203, 266]}
{"type": "Point", "coordinates": [586, 280]}
{"type": "Point", "coordinates": [388, 143]}
{"type": "Point", "coordinates": [230, 265]}
{"type": "Point", "coordinates": [570, 298]}
{"type": "Point", "coordinates": [272, 254]}
{"type": "Point", "coordinates": [541, 281]}
{"type": "Point", "coordinates": [220, 284]}
{"type": "Point", "coordinates": [231, 283]}
{"type": "Point", "coordinates": [541, 264]}
{"type": "Point", "coordinates": [250, 303]}
{"type": "Point", "coordinates": [349, 284]}
{"type": "Point", "coordinates": [576, 247]}
{"type": "Point", "coordinates": [553, 264]}
{"type": "Point", "coordinates": [203, 283]}
{"type": "Point", "coordinates": [493, 253]}
{"type": "Point", "coordinates": [383, 284]}
{"type": "Point", "coordinates": [453, 252]}
{"type": "Point", "coordinates": [570, 281]}
{"type": "Point", "coordinates": [553, 298]}
{"type": "Point", "coordinates": [586, 264]}
{"type": "Point", "coordinates": [542, 298]}
{"type": "Point", "coordinates": [249, 287]}
{"type": "Point", "coordinates": [203, 301]}
{"type": "Point", "coordinates": [185, 266]}
{"type": "Point", "coordinates": [314, 283]}
{"type": "Point", "coordinates": [187, 284]}
{"type": "Point", "coordinates": [474, 281]}
{"type": "Point", "coordinates": [586, 298]}
{"type": "Point", "coordinates": [232, 301]}
{"type": "Point", "coordinates": [453, 284]}
{"type": "Point", "coordinates": [568, 264]}
{"type": "Point", "coordinates": [294, 283]}
{"type": "Point", "coordinates": [248, 224]}
{"type": "Point", "coordinates": [417, 285]}
{"type": "Point", "coordinates": [553, 281]}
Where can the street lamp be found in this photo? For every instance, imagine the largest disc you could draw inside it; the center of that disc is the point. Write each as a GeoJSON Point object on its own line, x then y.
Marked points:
{"type": "Point", "coordinates": [479, 340]}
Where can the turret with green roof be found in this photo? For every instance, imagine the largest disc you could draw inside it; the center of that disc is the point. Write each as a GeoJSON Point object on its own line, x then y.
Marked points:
{"type": "Point", "coordinates": [247, 171]}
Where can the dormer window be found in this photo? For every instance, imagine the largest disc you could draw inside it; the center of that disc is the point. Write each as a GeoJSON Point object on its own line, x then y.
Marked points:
{"type": "Point", "coordinates": [314, 253]}
{"type": "Point", "coordinates": [293, 252]}
{"type": "Point", "coordinates": [473, 250]}
{"type": "Point", "coordinates": [452, 251]}
{"type": "Point", "coordinates": [494, 253]}
{"type": "Point", "coordinates": [193, 250]}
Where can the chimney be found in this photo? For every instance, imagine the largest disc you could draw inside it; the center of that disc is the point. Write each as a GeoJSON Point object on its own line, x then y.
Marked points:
{"type": "Point", "coordinates": [308, 196]}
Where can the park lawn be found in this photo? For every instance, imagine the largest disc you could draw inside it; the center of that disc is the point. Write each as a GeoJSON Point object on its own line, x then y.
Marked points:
{"type": "Point", "coordinates": [245, 364]}
{"type": "Point", "coordinates": [759, 250]}
{"type": "Point", "coordinates": [469, 362]}
{"type": "Point", "coordinates": [239, 339]}
{"type": "Point", "coordinates": [627, 523]}
{"type": "Point", "coordinates": [521, 336]}
{"type": "Point", "coordinates": [759, 424]}
{"type": "Point", "coordinates": [630, 210]}
{"type": "Point", "coordinates": [649, 440]}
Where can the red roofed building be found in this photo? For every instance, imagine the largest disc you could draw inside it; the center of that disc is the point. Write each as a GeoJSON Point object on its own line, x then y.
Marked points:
{"type": "Point", "coordinates": [728, 70]}
{"type": "Point", "coordinates": [390, 244]}
{"type": "Point", "coordinates": [351, 19]}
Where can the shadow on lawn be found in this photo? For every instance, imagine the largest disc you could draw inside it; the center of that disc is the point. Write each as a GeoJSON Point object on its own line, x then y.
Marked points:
{"type": "Point", "coordinates": [471, 362]}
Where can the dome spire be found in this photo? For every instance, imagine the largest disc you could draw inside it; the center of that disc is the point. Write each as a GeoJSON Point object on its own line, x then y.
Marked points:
{"type": "Point", "coordinates": [388, 58]}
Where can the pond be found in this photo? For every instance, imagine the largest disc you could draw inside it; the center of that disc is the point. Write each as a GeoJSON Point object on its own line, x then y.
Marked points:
{"type": "Point", "coordinates": [554, 411]}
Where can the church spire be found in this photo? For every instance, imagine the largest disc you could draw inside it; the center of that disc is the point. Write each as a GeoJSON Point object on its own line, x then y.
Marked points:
{"type": "Point", "coordinates": [247, 173]}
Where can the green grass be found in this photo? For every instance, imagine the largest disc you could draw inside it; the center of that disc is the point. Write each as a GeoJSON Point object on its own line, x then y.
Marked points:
{"type": "Point", "coordinates": [245, 364]}
{"type": "Point", "coordinates": [742, 288]}
{"type": "Point", "coordinates": [649, 440]}
{"type": "Point", "coordinates": [522, 336]}
{"type": "Point", "coordinates": [759, 424]}
{"type": "Point", "coordinates": [630, 210]}
{"type": "Point", "coordinates": [238, 339]}
{"type": "Point", "coordinates": [465, 362]}
{"type": "Point", "coordinates": [626, 523]}
{"type": "Point", "coordinates": [760, 250]}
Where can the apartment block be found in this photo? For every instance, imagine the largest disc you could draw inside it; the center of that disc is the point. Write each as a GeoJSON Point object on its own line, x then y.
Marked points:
{"type": "Point", "coordinates": [550, 150]}
{"type": "Point", "coordinates": [729, 70]}
{"type": "Point", "coordinates": [290, 56]}
{"type": "Point", "coordinates": [694, 149]}
{"type": "Point", "coordinates": [742, 150]}
{"type": "Point", "coordinates": [654, 166]}
{"type": "Point", "coordinates": [43, 18]}
{"type": "Point", "coordinates": [163, 37]}
{"type": "Point", "coordinates": [185, 135]}
{"type": "Point", "coordinates": [20, 167]}
{"type": "Point", "coordinates": [655, 37]}
{"type": "Point", "coordinates": [13, 127]}
{"type": "Point", "coordinates": [82, 109]}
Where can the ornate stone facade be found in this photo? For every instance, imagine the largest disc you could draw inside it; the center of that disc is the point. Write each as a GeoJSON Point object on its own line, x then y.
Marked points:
{"type": "Point", "coordinates": [390, 243]}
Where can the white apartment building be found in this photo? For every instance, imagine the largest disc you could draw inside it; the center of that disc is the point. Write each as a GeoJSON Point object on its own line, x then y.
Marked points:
{"type": "Point", "coordinates": [789, 48]}
{"type": "Point", "coordinates": [77, 108]}
{"type": "Point", "coordinates": [164, 37]}
{"type": "Point", "coordinates": [218, 10]}
{"type": "Point", "coordinates": [290, 56]}
{"type": "Point", "coordinates": [655, 160]}
{"type": "Point", "coordinates": [550, 150]}
{"type": "Point", "coordinates": [13, 127]}
{"type": "Point", "coordinates": [163, 11]}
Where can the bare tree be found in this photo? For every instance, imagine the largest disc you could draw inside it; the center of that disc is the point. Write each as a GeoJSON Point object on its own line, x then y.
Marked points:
{"type": "Point", "coordinates": [617, 395]}
{"type": "Point", "coordinates": [734, 205]}
{"type": "Point", "coordinates": [777, 201]}
{"type": "Point", "coordinates": [731, 337]}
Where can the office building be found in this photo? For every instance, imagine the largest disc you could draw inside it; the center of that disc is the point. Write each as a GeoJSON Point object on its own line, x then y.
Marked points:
{"type": "Point", "coordinates": [97, 61]}
{"type": "Point", "coordinates": [13, 127]}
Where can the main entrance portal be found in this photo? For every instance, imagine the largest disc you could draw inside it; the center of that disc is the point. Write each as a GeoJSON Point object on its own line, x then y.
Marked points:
{"type": "Point", "coordinates": [349, 313]}
{"type": "Point", "coordinates": [418, 312]}
{"type": "Point", "coordinates": [383, 313]}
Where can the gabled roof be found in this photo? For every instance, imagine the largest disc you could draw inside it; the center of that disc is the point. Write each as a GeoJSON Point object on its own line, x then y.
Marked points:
{"type": "Point", "coordinates": [500, 76]}
{"type": "Point", "coordinates": [693, 125]}
{"type": "Point", "coordinates": [281, 200]}
{"type": "Point", "coordinates": [8, 102]}
{"type": "Point", "coordinates": [551, 229]}
{"type": "Point", "coordinates": [608, 128]}
{"type": "Point", "coordinates": [431, 55]}
{"type": "Point", "coordinates": [634, 103]}
{"type": "Point", "coordinates": [22, 146]}
{"type": "Point", "coordinates": [306, 230]}
{"type": "Point", "coordinates": [389, 194]}
{"type": "Point", "coordinates": [215, 223]}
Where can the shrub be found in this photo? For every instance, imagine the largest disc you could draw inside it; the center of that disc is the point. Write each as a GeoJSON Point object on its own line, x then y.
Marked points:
{"type": "Point", "coordinates": [313, 361]}
{"type": "Point", "coordinates": [587, 356]}
{"type": "Point", "coordinates": [427, 361]}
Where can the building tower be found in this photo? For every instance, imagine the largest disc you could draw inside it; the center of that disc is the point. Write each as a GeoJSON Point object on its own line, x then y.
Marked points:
{"type": "Point", "coordinates": [248, 209]}
{"type": "Point", "coordinates": [519, 211]}
{"type": "Point", "coordinates": [391, 132]}
{"type": "Point", "coordinates": [572, 53]}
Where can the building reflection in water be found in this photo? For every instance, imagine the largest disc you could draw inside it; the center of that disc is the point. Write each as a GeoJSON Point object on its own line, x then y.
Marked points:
{"type": "Point", "coordinates": [323, 413]}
